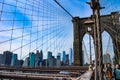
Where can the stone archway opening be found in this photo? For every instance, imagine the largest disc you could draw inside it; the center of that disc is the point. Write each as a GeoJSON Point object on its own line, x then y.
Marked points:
{"type": "Point", "coordinates": [108, 51]}
{"type": "Point", "coordinates": [88, 49]}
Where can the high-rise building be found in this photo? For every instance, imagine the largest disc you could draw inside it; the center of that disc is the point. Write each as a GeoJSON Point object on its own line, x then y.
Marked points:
{"type": "Point", "coordinates": [58, 57]}
{"type": "Point", "coordinates": [59, 54]}
{"type": "Point", "coordinates": [106, 58]}
{"type": "Point", "coordinates": [40, 58]}
{"type": "Point", "coordinates": [54, 61]}
{"type": "Point", "coordinates": [7, 55]}
{"type": "Point", "coordinates": [26, 62]}
{"type": "Point", "coordinates": [32, 59]}
{"type": "Point", "coordinates": [51, 62]}
{"type": "Point", "coordinates": [14, 60]}
{"type": "Point", "coordinates": [64, 58]}
{"type": "Point", "coordinates": [19, 63]}
{"type": "Point", "coordinates": [49, 55]}
{"type": "Point", "coordinates": [67, 60]}
{"type": "Point", "coordinates": [58, 61]}
{"type": "Point", "coordinates": [71, 57]}
{"type": "Point", "coordinates": [1, 59]}
{"type": "Point", "coordinates": [37, 58]}
{"type": "Point", "coordinates": [44, 62]}
{"type": "Point", "coordinates": [49, 59]}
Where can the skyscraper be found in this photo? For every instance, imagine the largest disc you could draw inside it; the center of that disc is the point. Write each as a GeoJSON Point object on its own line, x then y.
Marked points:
{"type": "Point", "coordinates": [49, 59]}
{"type": "Point", "coordinates": [39, 58]}
{"type": "Point", "coordinates": [32, 59]}
{"type": "Point", "coordinates": [1, 59]}
{"type": "Point", "coordinates": [59, 54]}
{"type": "Point", "coordinates": [44, 62]}
{"type": "Point", "coordinates": [26, 62]}
{"type": "Point", "coordinates": [106, 58]}
{"type": "Point", "coordinates": [71, 57]}
{"type": "Point", "coordinates": [14, 60]}
{"type": "Point", "coordinates": [58, 57]}
{"type": "Point", "coordinates": [58, 61]}
{"type": "Point", "coordinates": [7, 55]}
{"type": "Point", "coordinates": [64, 57]}
{"type": "Point", "coordinates": [49, 55]}
{"type": "Point", "coordinates": [67, 60]}
{"type": "Point", "coordinates": [19, 63]}
{"type": "Point", "coordinates": [52, 61]}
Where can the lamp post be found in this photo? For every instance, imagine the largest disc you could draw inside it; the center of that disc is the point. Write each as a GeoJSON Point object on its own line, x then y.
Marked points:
{"type": "Point", "coordinates": [95, 6]}
{"type": "Point", "coordinates": [89, 30]}
{"type": "Point", "coordinates": [92, 22]}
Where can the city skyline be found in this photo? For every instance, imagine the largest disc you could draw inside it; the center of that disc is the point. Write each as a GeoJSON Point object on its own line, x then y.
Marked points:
{"type": "Point", "coordinates": [35, 59]}
{"type": "Point", "coordinates": [23, 19]}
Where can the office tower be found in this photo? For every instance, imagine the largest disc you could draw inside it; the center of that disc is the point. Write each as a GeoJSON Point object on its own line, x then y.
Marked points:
{"type": "Point", "coordinates": [44, 62]}
{"type": "Point", "coordinates": [19, 63]}
{"type": "Point", "coordinates": [71, 57]}
{"type": "Point", "coordinates": [7, 55]}
{"type": "Point", "coordinates": [59, 54]}
{"type": "Point", "coordinates": [58, 61]}
{"type": "Point", "coordinates": [67, 60]}
{"type": "Point", "coordinates": [37, 58]}
{"type": "Point", "coordinates": [49, 59]}
{"type": "Point", "coordinates": [54, 61]}
{"type": "Point", "coordinates": [106, 58]}
{"type": "Point", "coordinates": [1, 59]}
{"type": "Point", "coordinates": [26, 62]}
{"type": "Point", "coordinates": [49, 55]}
{"type": "Point", "coordinates": [40, 58]}
{"type": "Point", "coordinates": [14, 60]}
{"type": "Point", "coordinates": [58, 57]}
{"type": "Point", "coordinates": [32, 59]}
{"type": "Point", "coordinates": [63, 57]}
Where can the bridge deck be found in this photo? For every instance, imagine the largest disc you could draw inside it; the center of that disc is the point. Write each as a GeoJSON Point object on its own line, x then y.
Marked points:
{"type": "Point", "coordinates": [79, 69]}
{"type": "Point", "coordinates": [48, 73]}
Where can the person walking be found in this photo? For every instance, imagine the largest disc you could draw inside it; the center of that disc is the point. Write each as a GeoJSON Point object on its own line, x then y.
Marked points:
{"type": "Point", "coordinates": [117, 72]}
{"type": "Point", "coordinates": [109, 72]}
{"type": "Point", "coordinates": [104, 71]}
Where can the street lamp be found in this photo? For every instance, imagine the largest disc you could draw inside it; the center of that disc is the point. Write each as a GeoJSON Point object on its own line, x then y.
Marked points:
{"type": "Point", "coordinates": [89, 30]}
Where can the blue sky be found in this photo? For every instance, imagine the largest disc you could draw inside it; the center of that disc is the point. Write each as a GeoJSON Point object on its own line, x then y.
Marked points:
{"type": "Point", "coordinates": [77, 7]}
{"type": "Point", "coordinates": [36, 16]}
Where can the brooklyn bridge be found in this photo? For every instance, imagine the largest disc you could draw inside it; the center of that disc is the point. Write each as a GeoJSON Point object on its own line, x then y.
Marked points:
{"type": "Point", "coordinates": [58, 39]}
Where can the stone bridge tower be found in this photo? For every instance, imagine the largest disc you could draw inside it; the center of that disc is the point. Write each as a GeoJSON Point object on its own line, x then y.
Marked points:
{"type": "Point", "coordinates": [109, 23]}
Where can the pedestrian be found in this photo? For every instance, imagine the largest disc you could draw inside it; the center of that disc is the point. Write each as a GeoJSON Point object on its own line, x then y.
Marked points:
{"type": "Point", "coordinates": [117, 72]}
{"type": "Point", "coordinates": [109, 72]}
{"type": "Point", "coordinates": [90, 68]}
{"type": "Point", "coordinates": [104, 71]}
{"type": "Point", "coordinates": [113, 69]}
